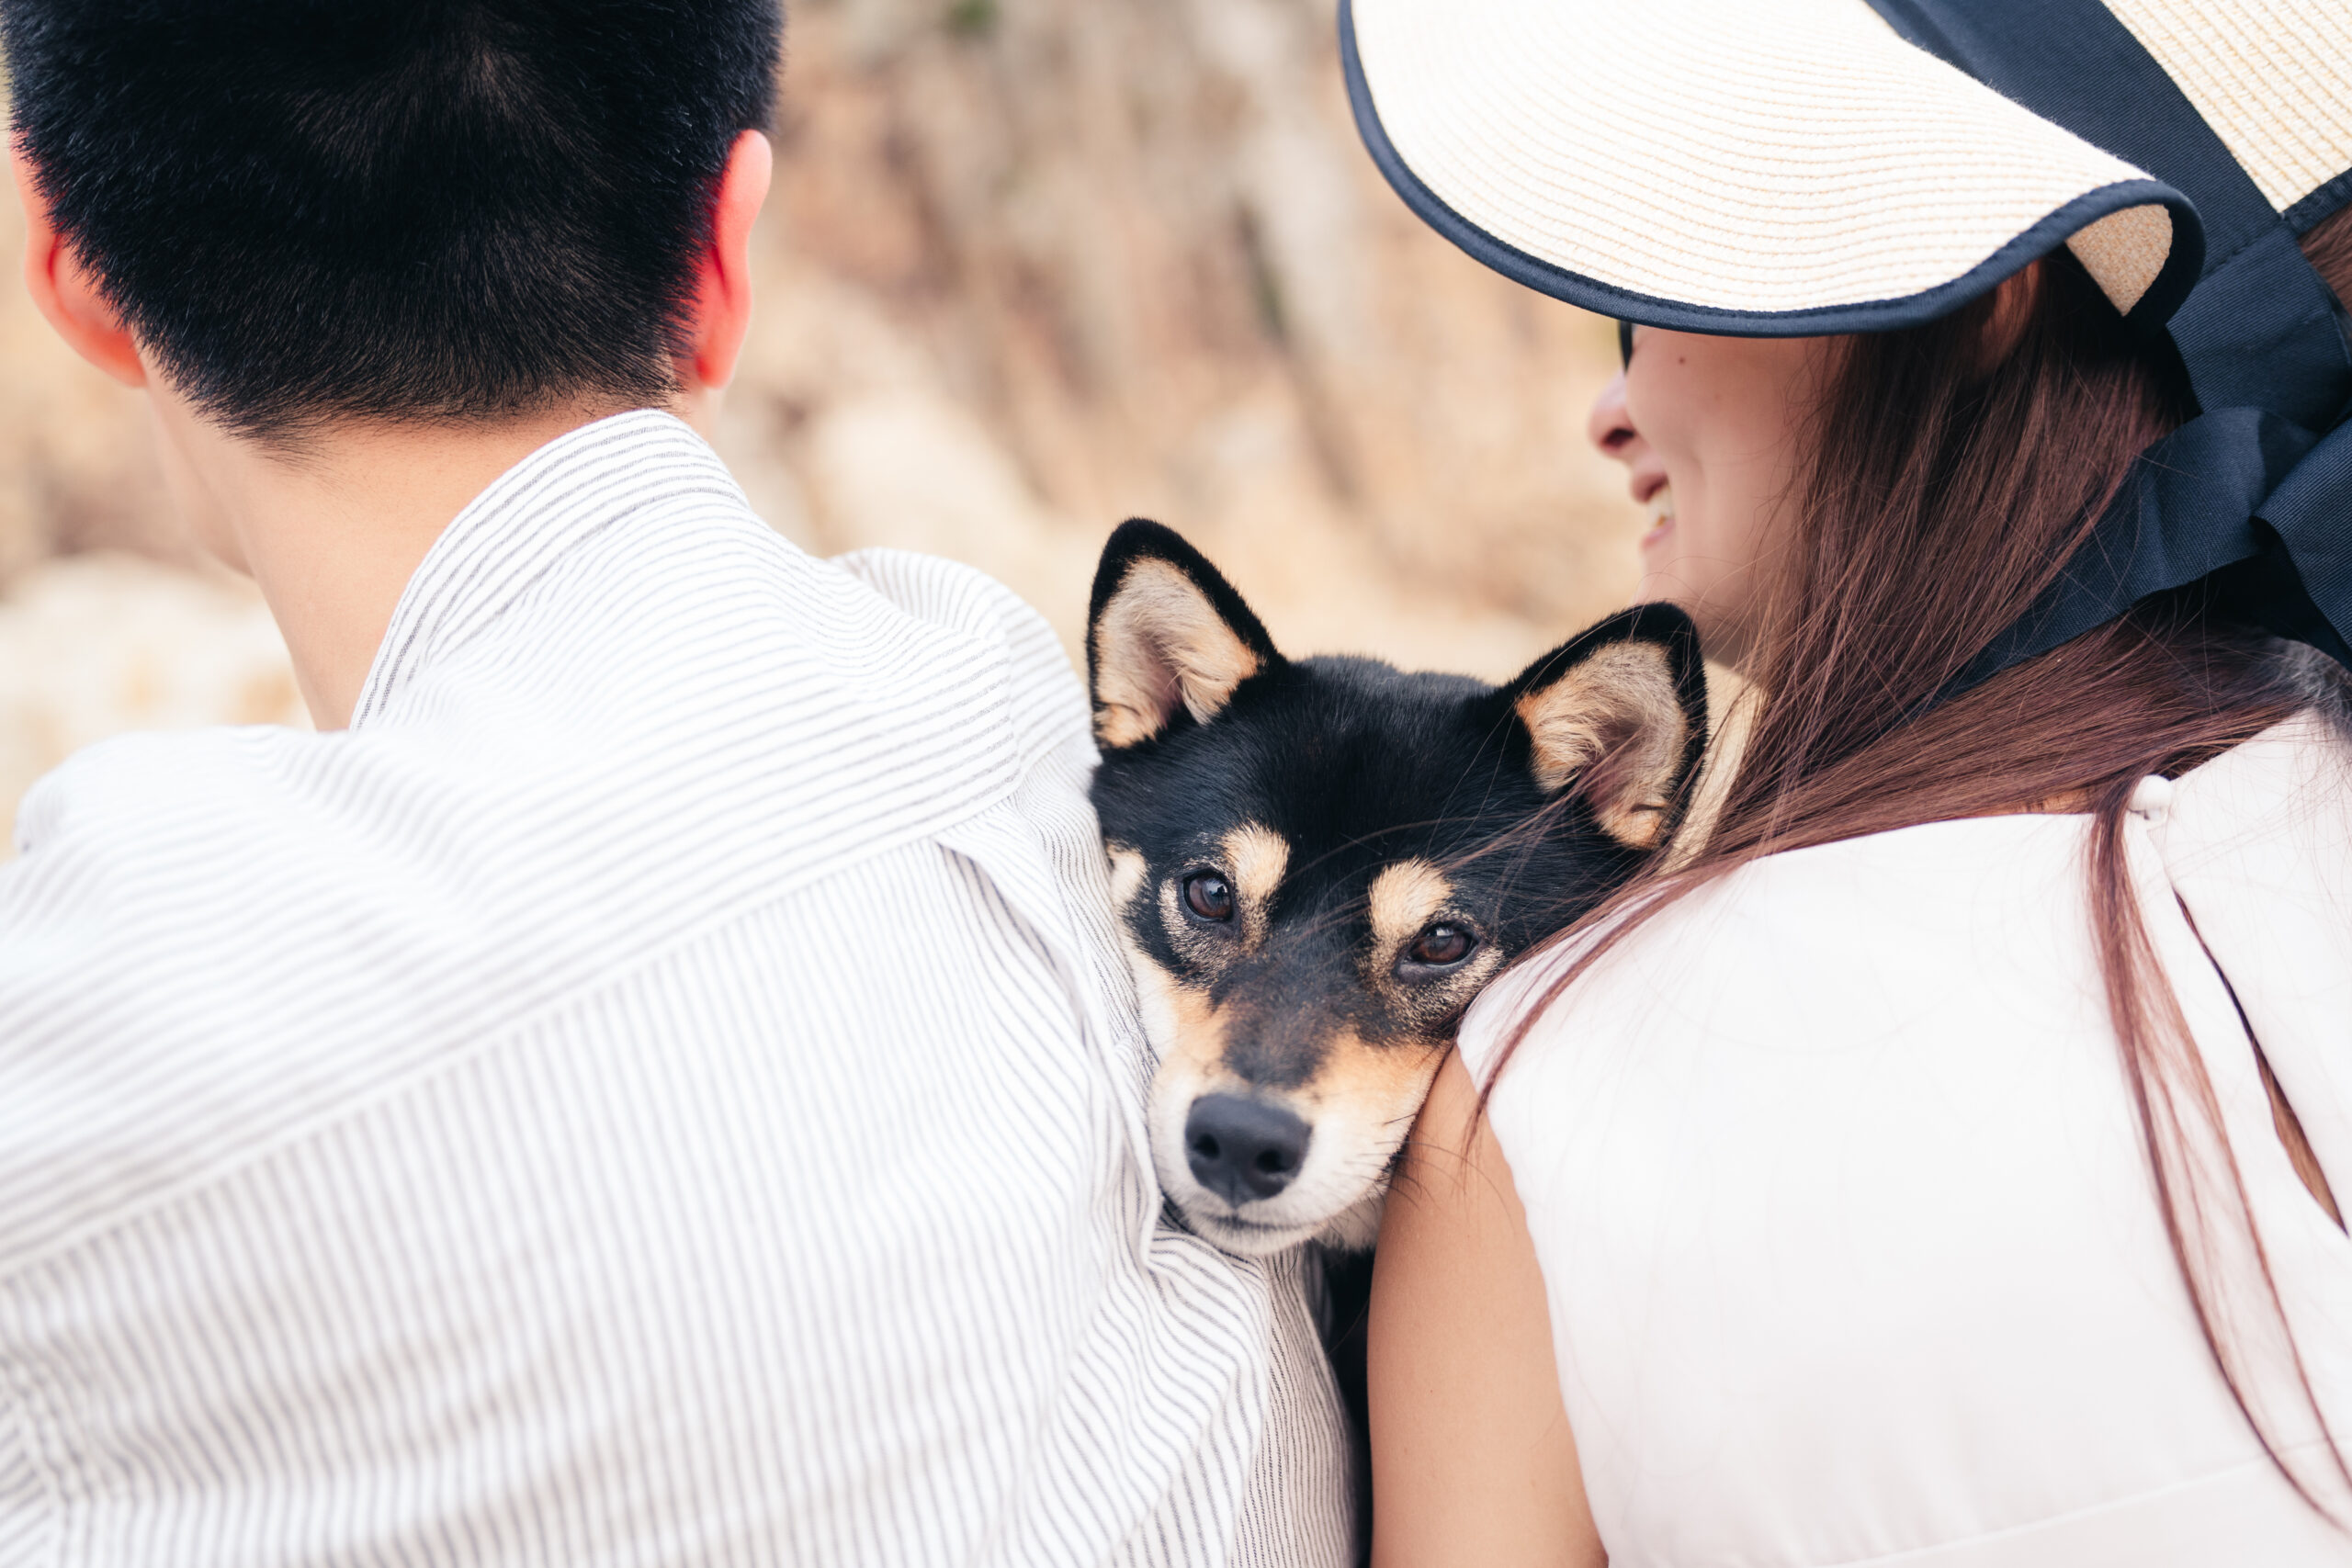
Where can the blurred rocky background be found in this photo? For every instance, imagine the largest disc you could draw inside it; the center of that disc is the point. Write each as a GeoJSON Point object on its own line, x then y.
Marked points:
{"type": "Point", "coordinates": [1030, 266]}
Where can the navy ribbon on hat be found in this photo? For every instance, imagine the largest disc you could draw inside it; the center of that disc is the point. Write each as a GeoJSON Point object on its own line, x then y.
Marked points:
{"type": "Point", "coordinates": [2252, 497]}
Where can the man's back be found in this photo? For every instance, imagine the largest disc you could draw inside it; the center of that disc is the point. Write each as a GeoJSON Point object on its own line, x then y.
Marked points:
{"type": "Point", "coordinates": [658, 1088]}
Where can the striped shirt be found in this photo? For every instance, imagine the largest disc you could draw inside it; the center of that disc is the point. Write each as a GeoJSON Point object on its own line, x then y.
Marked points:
{"type": "Point", "coordinates": [659, 1089]}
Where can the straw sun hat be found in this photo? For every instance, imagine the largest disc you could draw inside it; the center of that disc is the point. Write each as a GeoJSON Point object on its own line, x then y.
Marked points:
{"type": "Point", "coordinates": [1791, 167]}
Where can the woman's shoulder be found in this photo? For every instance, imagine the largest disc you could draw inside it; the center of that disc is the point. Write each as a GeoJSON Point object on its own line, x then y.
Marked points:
{"type": "Point", "coordinates": [1837, 938]}
{"type": "Point", "coordinates": [1828, 941]}
{"type": "Point", "coordinates": [1834, 1158]}
{"type": "Point", "coordinates": [2291, 784]}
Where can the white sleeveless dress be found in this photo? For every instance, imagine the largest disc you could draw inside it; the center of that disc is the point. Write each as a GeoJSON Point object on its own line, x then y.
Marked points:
{"type": "Point", "coordinates": [1852, 1251]}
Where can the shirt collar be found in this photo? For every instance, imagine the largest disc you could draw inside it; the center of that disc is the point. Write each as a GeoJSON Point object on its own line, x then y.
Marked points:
{"type": "Point", "coordinates": [578, 485]}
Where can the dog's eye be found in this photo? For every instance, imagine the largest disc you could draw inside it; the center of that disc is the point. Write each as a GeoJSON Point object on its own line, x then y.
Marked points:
{"type": "Point", "coordinates": [1441, 946]}
{"type": "Point", "coordinates": [1207, 896]}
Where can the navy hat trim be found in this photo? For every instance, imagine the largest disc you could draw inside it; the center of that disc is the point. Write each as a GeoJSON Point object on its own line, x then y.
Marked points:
{"type": "Point", "coordinates": [2325, 202]}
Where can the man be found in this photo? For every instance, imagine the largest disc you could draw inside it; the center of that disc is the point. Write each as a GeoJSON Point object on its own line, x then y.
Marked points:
{"type": "Point", "coordinates": [650, 1082]}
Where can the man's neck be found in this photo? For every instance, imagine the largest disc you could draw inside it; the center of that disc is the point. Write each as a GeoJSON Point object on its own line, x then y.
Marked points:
{"type": "Point", "coordinates": [334, 529]}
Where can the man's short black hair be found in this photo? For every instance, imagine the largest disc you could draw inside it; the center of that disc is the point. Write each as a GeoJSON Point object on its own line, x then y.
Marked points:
{"type": "Point", "coordinates": [403, 208]}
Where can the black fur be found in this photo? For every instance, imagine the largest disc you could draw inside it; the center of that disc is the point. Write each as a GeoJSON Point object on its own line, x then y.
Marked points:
{"type": "Point", "coordinates": [395, 207]}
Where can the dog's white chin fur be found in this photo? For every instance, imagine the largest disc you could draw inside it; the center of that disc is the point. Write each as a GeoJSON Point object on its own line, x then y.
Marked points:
{"type": "Point", "coordinates": [1355, 1227]}
{"type": "Point", "coordinates": [1352, 1230]}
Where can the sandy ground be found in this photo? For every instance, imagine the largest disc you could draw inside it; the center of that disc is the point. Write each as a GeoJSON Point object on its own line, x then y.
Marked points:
{"type": "Point", "coordinates": [1027, 269]}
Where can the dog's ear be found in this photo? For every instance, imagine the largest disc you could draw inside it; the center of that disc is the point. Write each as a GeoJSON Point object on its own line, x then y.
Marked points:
{"type": "Point", "coordinates": [1165, 631]}
{"type": "Point", "coordinates": [1619, 713]}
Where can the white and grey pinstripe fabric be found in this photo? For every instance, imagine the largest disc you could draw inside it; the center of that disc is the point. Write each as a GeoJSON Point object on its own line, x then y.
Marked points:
{"type": "Point", "coordinates": [659, 1089]}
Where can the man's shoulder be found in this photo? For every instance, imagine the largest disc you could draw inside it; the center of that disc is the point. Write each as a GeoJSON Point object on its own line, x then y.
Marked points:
{"type": "Point", "coordinates": [1047, 702]}
{"type": "Point", "coordinates": [799, 715]}
{"type": "Point", "coordinates": [619, 576]}
{"type": "Point", "coordinates": [656, 736]}
{"type": "Point", "coordinates": [702, 609]}
{"type": "Point", "coordinates": [540, 808]}
{"type": "Point", "coordinates": [182, 787]}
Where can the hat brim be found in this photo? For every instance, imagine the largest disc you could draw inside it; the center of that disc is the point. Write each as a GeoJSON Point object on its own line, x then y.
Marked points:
{"type": "Point", "coordinates": [1740, 167]}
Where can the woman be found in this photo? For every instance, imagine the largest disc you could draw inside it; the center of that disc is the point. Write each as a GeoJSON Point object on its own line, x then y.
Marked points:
{"type": "Point", "coordinates": [1939, 1164]}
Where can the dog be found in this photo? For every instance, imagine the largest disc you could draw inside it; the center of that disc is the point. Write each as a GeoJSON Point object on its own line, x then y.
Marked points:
{"type": "Point", "coordinates": [1316, 863]}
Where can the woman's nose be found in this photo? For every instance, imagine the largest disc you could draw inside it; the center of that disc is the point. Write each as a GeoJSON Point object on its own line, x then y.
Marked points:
{"type": "Point", "coordinates": [1611, 428]}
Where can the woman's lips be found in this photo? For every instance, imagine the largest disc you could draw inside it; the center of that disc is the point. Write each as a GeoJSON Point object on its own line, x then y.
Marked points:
{"type": "Point", "coordinates": [1660, 507]}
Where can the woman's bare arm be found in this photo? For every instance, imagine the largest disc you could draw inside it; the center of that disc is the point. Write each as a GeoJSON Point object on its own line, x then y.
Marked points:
{"type": "Point", "coordinates": [1472, 1462]}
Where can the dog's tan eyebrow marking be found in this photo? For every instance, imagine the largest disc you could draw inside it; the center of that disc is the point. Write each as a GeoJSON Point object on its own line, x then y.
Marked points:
{"type": "Point", "coordinates": [1404, 897]}
{"type": "Point", "coordinates": [1256, 856]}
{"type": "Point", "coordinates": [1127, 874]}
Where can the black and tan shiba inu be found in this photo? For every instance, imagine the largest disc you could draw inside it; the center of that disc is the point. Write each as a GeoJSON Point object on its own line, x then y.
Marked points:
{"type": "Point", "coordinates": [1319, 862]}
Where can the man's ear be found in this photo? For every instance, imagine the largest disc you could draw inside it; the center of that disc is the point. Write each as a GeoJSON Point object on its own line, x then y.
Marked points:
{"type": "Point", "coordinates": [722, 312]}
{"type": "Point", "coordinates": [1164, 631]}
{"type": "Point", "coordinates": [65, 292]}
{"type": "Point", "coordinates": [1619, 715]}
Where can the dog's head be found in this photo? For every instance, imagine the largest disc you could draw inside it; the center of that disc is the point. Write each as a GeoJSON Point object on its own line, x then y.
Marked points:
{"type": "Point", "coordinates": [1319, 863]}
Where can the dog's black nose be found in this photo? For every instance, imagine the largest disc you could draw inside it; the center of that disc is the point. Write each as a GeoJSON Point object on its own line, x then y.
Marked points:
{"type": "Point", "coordinates": [1242, 1149]}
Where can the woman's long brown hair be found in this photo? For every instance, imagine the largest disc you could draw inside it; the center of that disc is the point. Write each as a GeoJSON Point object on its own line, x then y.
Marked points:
{"type": "Point", "coordinates": [1954, 467]}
